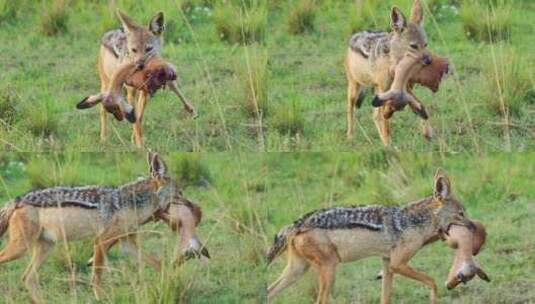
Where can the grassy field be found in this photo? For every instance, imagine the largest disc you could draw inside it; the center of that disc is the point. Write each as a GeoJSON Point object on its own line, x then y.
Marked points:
{"type": "Point", "coordinates": [247, 198]}
{"type": "Point", "coordinates": [265, 75]}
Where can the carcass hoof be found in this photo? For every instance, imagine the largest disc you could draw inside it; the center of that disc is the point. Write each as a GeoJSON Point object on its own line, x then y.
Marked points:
{"type": "Point", "coordinates": [115, 110]}
{"type": "Point", "coordinates": [131, 116]}
{"type": "Point", "coordinates": [83, 104]}
{"type": "Point", "coordinates": [377, 102]}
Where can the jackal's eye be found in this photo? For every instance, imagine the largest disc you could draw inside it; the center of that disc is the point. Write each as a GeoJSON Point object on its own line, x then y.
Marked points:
{"type": "Point", "coordinates": [461, 213]}
{"type": "Point", "coordinates": [134, 50]}
{"type": "Point", "coordinates": [149, 49]}
{"type": "Point", "coordinates": [414, 46]}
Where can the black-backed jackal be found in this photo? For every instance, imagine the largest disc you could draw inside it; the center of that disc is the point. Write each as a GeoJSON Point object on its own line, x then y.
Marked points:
{"type": "Point", "coordinates": [40, 219]}
{"type": "Point", "coordinates": [132, 43]}
{"type": "Point", "coordinates": [325, 238]}
{"type": "Point", "coordinates": [370, 61]}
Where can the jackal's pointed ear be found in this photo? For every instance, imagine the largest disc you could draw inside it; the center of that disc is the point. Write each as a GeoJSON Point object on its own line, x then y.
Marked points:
{"type": "Point", "coordinates": [417, 15]}
{"type": "Point", "coordinates": [442, 185]}
{"type": "Point", "coordinates": [157, 24]}
{"type": "Point", "coordinates": [398, 20]}
{"type": "Point", "coordinates": [156, 165]}
{"type": "Point", "coordinates": [128, 23]}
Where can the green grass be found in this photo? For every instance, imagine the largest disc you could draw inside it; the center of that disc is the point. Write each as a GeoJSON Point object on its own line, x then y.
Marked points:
{"type": "Point", "coordinates": [247, 198]}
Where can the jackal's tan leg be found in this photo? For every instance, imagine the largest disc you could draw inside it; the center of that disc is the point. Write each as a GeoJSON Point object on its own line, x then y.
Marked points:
{"type": "Point", "coordinates": [23, 232]}
{"type": "Point", "coordinates": [14, 250]}
{"type": "Point", "coordinates": [99, 258]}
{"type": "Point", "coordinates": [382, 125]}
{"type": "Point", "coordinates": [327, 274]}
{"type": "Point", "coordinates": [387, 280]}
{"type": "Point", "coordinates": [106, 247]}
{"type": "Point", "coordinates": [103, 112]}
{"type": "Point", "coordinates": [399, 259]}
{"type": "Point", "coordinates": [295, 268]}
{"type": "Point", "coordinates": [41, 251]}
{"type": "Point", "coordinates": [138, 135]}
{"type": "Point", "coordinates": [353, 93]}
{"type": "Point", "coordinates": [130, 244]}
{"type": "Point", "coordinates": [407, 271]}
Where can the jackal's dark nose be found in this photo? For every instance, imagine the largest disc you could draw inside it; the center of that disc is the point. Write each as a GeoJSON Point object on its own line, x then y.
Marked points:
{"type": "Point", "coordinates": [427, 60]}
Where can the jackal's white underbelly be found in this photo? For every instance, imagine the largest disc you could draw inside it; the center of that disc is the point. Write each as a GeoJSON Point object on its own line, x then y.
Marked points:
{"type": "Point", "coordinates": [355, 244]}
{"type": "Point", "coordinates": [69, 223]}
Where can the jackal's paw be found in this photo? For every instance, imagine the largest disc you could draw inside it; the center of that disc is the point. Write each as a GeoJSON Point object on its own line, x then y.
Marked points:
{"type": "Point", "coordinates": [377, 102]}
{"type": "Point", "coordinates": [83, 104]}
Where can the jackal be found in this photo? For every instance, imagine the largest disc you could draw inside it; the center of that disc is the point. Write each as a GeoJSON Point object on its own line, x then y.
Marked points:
{"type": "Point", "coordinates": [40, 219]}
{"type": "Point", "coordinates": [370, 59]}
{"type": "Point", "coordinates": [132, 43]}
{"type": "Point", "coordinates": [327, 237]}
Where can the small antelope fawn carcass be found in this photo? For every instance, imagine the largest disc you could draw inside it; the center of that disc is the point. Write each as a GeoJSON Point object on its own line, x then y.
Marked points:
{"type": "Point", "coordinates": [325, 238]}
{"type": "Point", "coordinates": [467, 245]}
{"type": "Point", "coordinates": [371, 58]}
{"type": "Point", "coordinates": [154, 74]}
{"type": "Point", "coordinates": [40, 219]}
{"type": "Point", "coordinates": [132, 43]}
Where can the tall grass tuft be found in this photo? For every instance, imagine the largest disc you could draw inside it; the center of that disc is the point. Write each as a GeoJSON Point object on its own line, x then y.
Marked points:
{"type": "Point", "coordinates": [9, 99]}
{"type": "Point", "coordinates": [189, 170]}
{"type": "Point", "coordinates": [254, 79]}
{"type": "Point", "coordinates": [301, 17]}
{"type": "Point", "coordinates": [43, 172]}
{"type": "Point", "coordinates": [40, 120]}
{"type": "Point", "coordinates": [55, 18]}
{"type": "Point", "coordinates": [366, 14]}
{"type": "Point", "coordinates": [288, 119]}
{"type": "Point", "coordinates": [108, 20]}
{"type": "Point", "coordinates": [489, 21]}
{"type": "Point", "coordinates": [10, 9]}
{"type": "Point", "coordinates": [509, 85]}
{"type": "Point", "coordinates": [242, 24]}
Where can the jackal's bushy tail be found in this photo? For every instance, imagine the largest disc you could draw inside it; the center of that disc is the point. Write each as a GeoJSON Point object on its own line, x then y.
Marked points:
{"type": "Point", "coordinates": [5, 214]}
{"type": "Point", "coordinates": [279, 243]}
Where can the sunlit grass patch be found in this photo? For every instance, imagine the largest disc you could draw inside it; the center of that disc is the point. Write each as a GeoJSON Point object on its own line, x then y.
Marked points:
{"type": "Point", "coordinates": [288, 119]}
{"type": "Point", "coordinates": [9, 102]}
{"type": "Point", "coordinates": [509, 85]}
{"type": "Point", "coordinates": [253, 75]}
{"type": "Point", "coordinates": [189, 170]}
{"type": "Point", "coordinates": [366, 14]}
{"type": "Point", "coordinates": [490, 22]}
{"type": "Point", "coordinates": [301, 16]}
{"type": "Point", "coordinates": [241, 24]}
{"type": "Point", "coordinates": [40, 120]}
{"type": "Point", "coordinates": [55, 17]}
